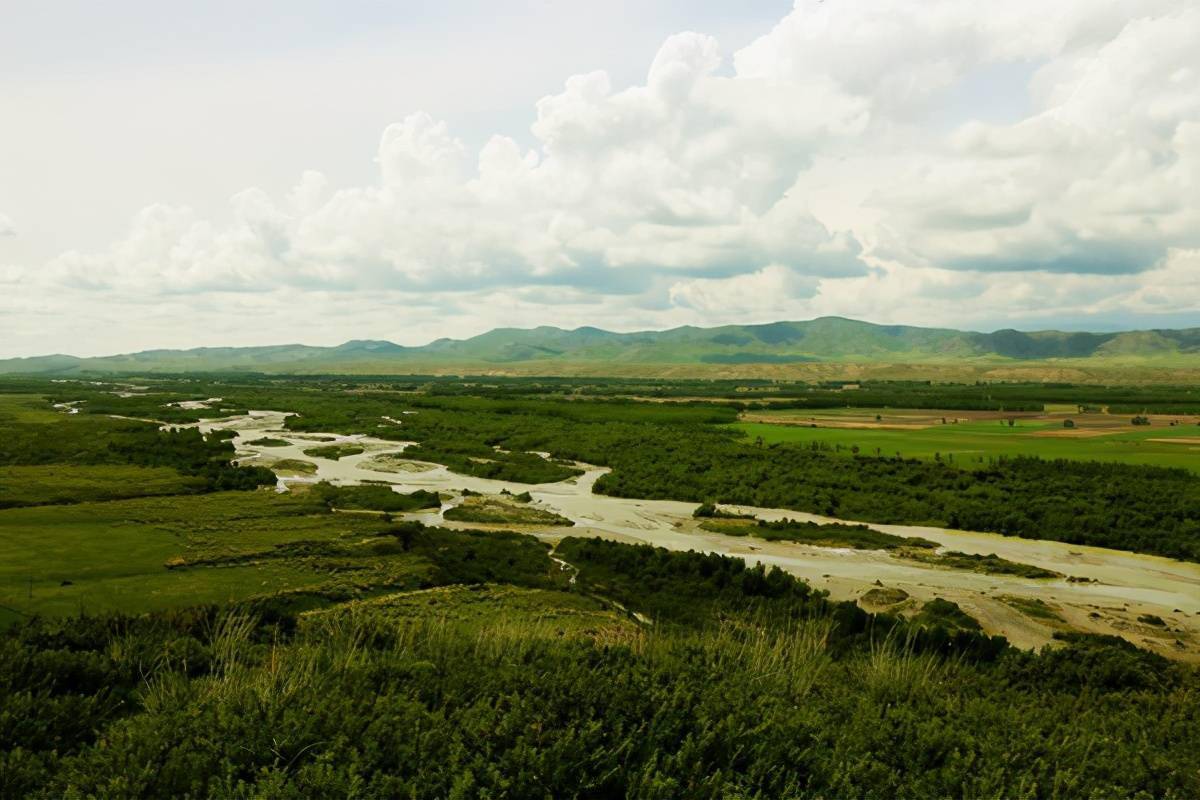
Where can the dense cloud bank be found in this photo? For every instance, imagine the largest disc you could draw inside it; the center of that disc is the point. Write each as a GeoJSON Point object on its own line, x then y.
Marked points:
{"type": "Point", "coordinates": [883, 159]}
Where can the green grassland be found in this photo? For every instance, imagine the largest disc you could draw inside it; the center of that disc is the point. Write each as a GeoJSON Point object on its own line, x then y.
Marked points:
{"type": "Point", "coordinates": [67, 483]}
{"type": "Point", "coordinates": [973, 443]}
{"type": "Point", "coordinates": [1034, 607]}
{"type": "Point", "coordinates": [97, 557]}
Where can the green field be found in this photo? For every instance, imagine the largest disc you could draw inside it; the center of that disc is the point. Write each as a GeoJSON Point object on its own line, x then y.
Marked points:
{"type": "Point", "coordinates": [61, 483]}
{"type": "Point", "coordinates": [972, 443]}
{"type": "Point", "coordinates": [97, 557]}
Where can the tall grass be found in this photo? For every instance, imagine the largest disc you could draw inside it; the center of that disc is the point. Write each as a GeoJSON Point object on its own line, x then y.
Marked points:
{"type": "Point", "coordinates": [893, 671]}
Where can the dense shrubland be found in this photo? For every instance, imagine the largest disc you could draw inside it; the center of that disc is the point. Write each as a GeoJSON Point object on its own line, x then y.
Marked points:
{"type": "Point", "coordinates": [748, 684]}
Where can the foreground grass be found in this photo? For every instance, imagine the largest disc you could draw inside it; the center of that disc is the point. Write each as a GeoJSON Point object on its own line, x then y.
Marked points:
{"type": "Point", "coordinates": [217, 705]}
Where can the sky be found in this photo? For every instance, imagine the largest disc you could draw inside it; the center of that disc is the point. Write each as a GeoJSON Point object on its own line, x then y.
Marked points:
{"type": "Point", "coordinates": [227, 173]}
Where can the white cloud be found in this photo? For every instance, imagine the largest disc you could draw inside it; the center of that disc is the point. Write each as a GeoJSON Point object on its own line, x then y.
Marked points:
{"type": "Point", "coordinates": [771, 289]}
{"type": "Point", "coordinates": [1104, 177]}
{"type": "Point", "coordinates": [818, 175]}
{"type": "Point", "coordinates": [7, 228]}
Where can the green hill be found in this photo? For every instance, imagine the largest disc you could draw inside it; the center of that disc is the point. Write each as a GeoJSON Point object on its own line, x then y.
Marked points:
{"type": "Point", "coordinates": [823, 340]}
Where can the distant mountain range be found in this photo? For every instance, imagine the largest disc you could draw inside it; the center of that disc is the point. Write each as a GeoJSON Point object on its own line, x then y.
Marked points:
{"type": "Point", "coordinates": [824, 340]}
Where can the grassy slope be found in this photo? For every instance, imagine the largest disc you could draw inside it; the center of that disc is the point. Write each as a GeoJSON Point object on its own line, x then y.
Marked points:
{"type": "Point", "coordinates": [731, 349]}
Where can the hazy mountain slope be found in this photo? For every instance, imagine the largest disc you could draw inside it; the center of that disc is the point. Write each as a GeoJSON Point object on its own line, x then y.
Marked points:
{"type": "Point", "coordinates": [828, 339]}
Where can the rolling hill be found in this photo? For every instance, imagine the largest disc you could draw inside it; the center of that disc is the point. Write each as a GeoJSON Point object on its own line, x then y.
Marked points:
{"type": "Point", "coordinates": [827, 340]}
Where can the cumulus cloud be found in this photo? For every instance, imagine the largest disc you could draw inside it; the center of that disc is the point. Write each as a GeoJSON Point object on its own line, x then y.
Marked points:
{"type": "Point", "coordinates": [6, 226]}
{"type": "Point", "coordinates": [687, 173]}
{"type": "Point", "coordinates": [1104, 176]}
{"type": "Point", "coordinates": [816, 171]}
{"type": "Point", "coordinates": [772, 288]}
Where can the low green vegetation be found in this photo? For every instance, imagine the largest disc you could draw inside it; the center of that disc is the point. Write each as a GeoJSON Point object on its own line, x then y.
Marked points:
{"type": "Point", "coordinates": [497, 510]}
{"type": "Point", "coordinates": [941, 613]}
{"type": "Point", "coordinates": [990, 564]}
{"type": "Point", "coordinates": [484, 462]}
{"type": "Point", "coordinates": [114, 556]}
{"type": "Point", "coordinates": [835, 534]}
{"type": "Point", "coordinates": [515, 610]}
{"type": "Point", "coordinates": [712, 511]}
{"type": "Point", "coordinates": [884, 596]}
{"type": "Point", "coordinates": [291, 467]}
{"type": "Point", "coordinates": [46, 484]}
{"type": "Point", "coordinates": [269, 441]}
{"type": "Point", "coordinates": [375, 498]}
{"type": "Point", "coordinates": [209, 703]}
{"type": "Point", "coordinates": [1034, 607]}
{"type": "Point", "coordinates": [334, 451]}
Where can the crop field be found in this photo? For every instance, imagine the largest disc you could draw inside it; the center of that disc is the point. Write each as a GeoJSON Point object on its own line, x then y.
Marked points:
{"type": "Point", "coordinates": [971, 439]}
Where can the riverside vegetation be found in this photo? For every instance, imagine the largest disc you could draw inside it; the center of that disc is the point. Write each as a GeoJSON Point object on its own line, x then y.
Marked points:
{"type": "Point", "coordinates": [243, 643]}
{"type": "Point", "coordinates": [686, 451]}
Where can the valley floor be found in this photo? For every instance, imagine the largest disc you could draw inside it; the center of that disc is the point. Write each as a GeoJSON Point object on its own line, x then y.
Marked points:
{"type": "Point", "coordinates": [1110, 591]}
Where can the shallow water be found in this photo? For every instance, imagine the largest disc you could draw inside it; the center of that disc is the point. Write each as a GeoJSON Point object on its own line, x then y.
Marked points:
{"type": "Point", "coordinates": [1128, 584]}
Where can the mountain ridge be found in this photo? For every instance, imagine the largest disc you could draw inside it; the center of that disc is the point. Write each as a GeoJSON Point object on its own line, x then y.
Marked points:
{"type": "Point", "coordinates": [820, 340]}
